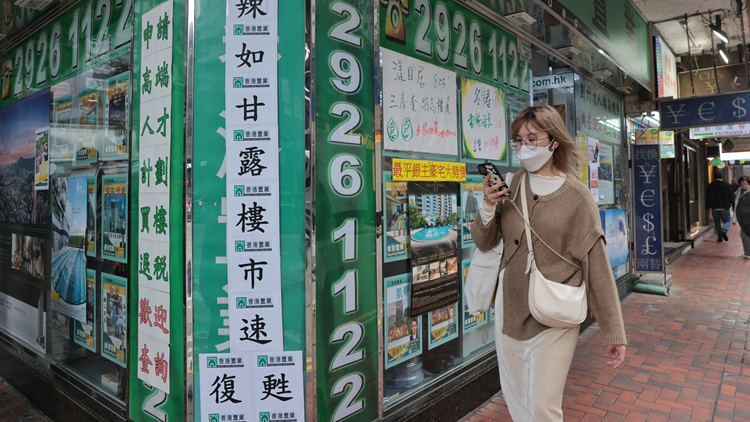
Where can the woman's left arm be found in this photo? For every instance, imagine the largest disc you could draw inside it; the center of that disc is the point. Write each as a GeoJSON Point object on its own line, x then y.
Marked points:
{"type": "Point", "coordinates": [603, 298]}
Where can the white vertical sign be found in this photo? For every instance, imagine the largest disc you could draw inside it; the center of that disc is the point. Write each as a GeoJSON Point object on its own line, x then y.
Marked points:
{"type": "Point", "coordinates": [252, 176]}
{"type": "Point", "coordinates": [155, 134]}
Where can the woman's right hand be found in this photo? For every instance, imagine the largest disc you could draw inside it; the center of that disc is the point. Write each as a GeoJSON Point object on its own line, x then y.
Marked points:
{"type": "Point", "coordinates": [494, 194]}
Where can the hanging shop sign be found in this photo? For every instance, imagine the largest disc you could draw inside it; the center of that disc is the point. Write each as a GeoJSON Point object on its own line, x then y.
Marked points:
{"type": "Point", "coordinates": [599, 112]}
{"type": "Point", "coordinates": [666, 69]}
{"type": "Point", "coordinates": [731, 79]}
{"type": "Point", "coordinates": [648, 226]}
{"type": "Point", "coordinates": [647, 136]}
{"type": "Point", "coordinates": [734, 149]}
{"type": "Point", "coordinates": [719, 131]}
{"type": "Point", "coordinates": [346, 292]}
{"type": "Point", "coordinates": [448, 35]}
{"type": "Point", "coordinates": [666, 144]}
{"type": "Point", "coordinates": [727, 109]}
{"type": "Point", "coordinates": [420, 170]}
{"type": "Point", "coordinates": [615, 26]}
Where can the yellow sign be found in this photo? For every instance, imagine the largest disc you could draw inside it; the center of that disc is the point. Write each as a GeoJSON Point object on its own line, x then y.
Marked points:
{"type": "Point", "coordinates": [647, 136]}
{"type": "Point", "coordinates": [438, 171]}
{"type": "Point", "coordinates": [666, 137]}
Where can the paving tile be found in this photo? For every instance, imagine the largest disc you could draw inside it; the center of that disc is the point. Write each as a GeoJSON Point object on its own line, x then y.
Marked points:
{"type": "Point", "coordinates": [688, 354]}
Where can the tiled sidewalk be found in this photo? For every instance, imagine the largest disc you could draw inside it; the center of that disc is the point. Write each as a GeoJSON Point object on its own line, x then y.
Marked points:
{"type": "Point", "coordinates": [688, 357]}
{"type": "Point", "coordinates": [15, 407]}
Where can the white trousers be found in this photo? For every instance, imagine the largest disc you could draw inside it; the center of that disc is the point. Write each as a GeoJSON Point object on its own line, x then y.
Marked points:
{"type": "Point", "coordinates": [533, 372]}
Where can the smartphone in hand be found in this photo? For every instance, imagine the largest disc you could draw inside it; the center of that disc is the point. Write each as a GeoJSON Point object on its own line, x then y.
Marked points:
{"type": "Point", "coordinates": [489, 168]}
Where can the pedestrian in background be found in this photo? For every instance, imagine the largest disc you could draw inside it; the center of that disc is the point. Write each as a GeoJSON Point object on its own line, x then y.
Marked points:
{"type": "Point", "coordinates": [742, 214]}
{"type": "Point", "coordinates": [735, 185]}
{"type": "Point", "coordinates": [719, 200]}
{"type": "Point", "coordinates": [534, 359]}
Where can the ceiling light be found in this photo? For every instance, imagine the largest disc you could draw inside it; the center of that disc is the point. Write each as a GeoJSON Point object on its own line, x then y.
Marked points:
{"type": "Point", "coordinates": [716, 28]}
{"type": "Point", "coordinates": [723, 52]}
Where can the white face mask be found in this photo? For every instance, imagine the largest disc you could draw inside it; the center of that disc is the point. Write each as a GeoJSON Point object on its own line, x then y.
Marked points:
{"type": "Point", "coordinates": [533, 160]}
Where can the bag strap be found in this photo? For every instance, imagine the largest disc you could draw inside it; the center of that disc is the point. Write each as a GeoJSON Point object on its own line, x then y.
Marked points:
{"type": "Point", "coordinates": [529, 229]}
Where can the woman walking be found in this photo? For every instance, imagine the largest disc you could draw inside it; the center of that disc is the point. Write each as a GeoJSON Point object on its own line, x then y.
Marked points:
{"type": "Point", "coordinates": [742, 214]}
{"type": "Point", "coordinates": [533, 358]}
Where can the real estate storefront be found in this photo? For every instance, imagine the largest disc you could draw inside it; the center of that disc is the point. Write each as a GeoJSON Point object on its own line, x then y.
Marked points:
{"type": "Point", "coordinates": [261, 210]}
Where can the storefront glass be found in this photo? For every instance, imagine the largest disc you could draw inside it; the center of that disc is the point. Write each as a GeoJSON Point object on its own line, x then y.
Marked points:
{"type": "Point", "coordinates": [66, 109]}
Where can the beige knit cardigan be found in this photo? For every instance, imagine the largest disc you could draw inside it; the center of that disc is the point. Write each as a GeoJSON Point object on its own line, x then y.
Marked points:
{"type": "Point", "coordinates": [568, 221]}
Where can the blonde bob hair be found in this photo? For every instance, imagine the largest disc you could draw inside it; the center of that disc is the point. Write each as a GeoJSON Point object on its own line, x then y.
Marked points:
{"type": "Point", "coordinates": [547, 119]}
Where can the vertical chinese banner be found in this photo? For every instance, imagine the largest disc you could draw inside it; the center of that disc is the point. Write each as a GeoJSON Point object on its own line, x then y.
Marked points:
{"type": "Point", "coordinates": [346, 299]}
{"type": "Point", "coordinates": [647, 190]}
{"type": "Point", "coordinates": [232, 151]}
{"type": "Point", "coordinates": [156, 358]}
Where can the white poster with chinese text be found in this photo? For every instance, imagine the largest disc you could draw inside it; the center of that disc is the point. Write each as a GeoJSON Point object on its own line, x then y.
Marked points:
{"type": "Point", "coordinates": [278, 386]}
{"type": "Point", "coordinates": [255, 321]}
{"type": "Point", "coordinates": [225, 386]}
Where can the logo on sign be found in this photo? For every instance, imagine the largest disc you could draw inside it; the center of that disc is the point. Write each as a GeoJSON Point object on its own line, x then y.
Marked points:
{"type": "Point", "coordinates": [239, 190]}
{"type": "Point", "coordinates": [241, 302]}
{"type": "Point", "coordinates": [213, 417]}
{"type": "Point", "coordinates": [237, 82]}
{"type": "Point", "coordinates": [264, 417]}
{"type": "Point", "coordinates": [262, 361]}
{"type": "Point", "coordinates": [239, 135]}
{"type": "Point", "coordinates": [239, 246]}
{"type": "Point", "coordinates": [212, 362]}
{"type": "Point", "coordinates": [239, 29]}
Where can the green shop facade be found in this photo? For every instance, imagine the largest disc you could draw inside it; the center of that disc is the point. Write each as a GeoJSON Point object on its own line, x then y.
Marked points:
{"type": "Point", "coordinates": [259, 210]}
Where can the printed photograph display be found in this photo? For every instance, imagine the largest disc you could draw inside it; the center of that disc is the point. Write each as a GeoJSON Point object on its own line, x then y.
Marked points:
{"type": "Point", "coordinates": [402, 332]}
{"type": "Point", "coordinates": [616, 231]}
{"type": "Point", "coordinates": [483, 130]}
{"type": "Point", "coordinates": [419, 106]}
{"type": "Point", "coordinates": [28, 255]}
{"type": "Point", "coordinates": [22, 203]}
{"type": "Point", "coordinates": [114, 217]}
{"type": "Point", "coordinates": [68, 246]}
{"type": "Point", "coordinates": [116, 117]}
{"type": "Point", "coordinates": [606, 175]}
{"type": "Point", "coordinates": [41, 163]}
{"type": "Point", "coordinates": [114, 318]}
{"type": "Point", "coordinates": [396, 216]}
{"type": "Point", "coordinates": [61, 323]}
{"type": "Point", "coordinates": [85, 333]}
{"type": "Point", "coordinates": [472, 192]}
{"type": "Point", "coordinates": [62, 130]}
{"type": "Point", "coordinates": [433, 233]}
{"type": "Point", "coordinates": [442, 325]}
{"type": "Point", "coordinates": [469, 321]}
{"type": "Point", "coordinates": [91, 216]}
{"type": "Point", "coordinates": [88, 132]}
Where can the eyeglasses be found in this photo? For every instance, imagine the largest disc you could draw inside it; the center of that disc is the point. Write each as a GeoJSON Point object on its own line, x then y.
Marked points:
{"type": "Point", "coordinates": [531, 142]}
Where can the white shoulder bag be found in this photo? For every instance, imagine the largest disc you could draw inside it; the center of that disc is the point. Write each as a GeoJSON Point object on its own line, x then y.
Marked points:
{"type": "Point", "coordinates": [484, 271]}
{"type": "Point", "coordinates": [552, 304]}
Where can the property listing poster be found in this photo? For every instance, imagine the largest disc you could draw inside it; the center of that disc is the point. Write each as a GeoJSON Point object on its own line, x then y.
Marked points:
{"type": "Point", "coordinates": [442, 325]}
{"type": "Point", "coordinates": [606, 175]}
{"type": "Point", "coordinates": [114, 217]}
{"type": "Point", "coordinates": [470, 321]}
{"type": "Point", "coordinates": [419, 106]}
{"type": "Point", "coordinates": [115, 143]}
{"type": "Point", "coordinates": [61, 323]}
{"type": "Point", "coordinates": [62, 133]}
{"type": "Point", "coordinates": [68, 246]}
{"type": "Point", "coordinates": [583, 166]}
{"type": "Point", "coordinates": [593, 158]}
{"type": "Point", "coordinates": [41, 162]}
{"type": "Point", "coordinates": [472, 192]}
{"type": "Point", "coordinates": [91, 216]}
{"type": "Point", "coordinates": [483, 130]}
{"type": "Point", "coordinates": [114, 318]}
{"type": "Point", "coordinates": [85, 333]}
{"type": "Point", "coordinates": [433, 231]}
{"type": "Point", "coordinates": [512, 113]}
{"type": "Point", "coordinates": [402, 332]}
{"type": "Point", "coordinates": [88, 131]}
{"type": "Point", "coordinates": [396, 215]}
{"type": "Point", "coordinates": [616, 232]}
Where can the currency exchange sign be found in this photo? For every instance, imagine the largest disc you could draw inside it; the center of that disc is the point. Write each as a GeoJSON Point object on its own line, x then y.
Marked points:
{"type": "Point", "coordinates": [648, 237]}
{"type": "Point", "coordinates": [714, 110]}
